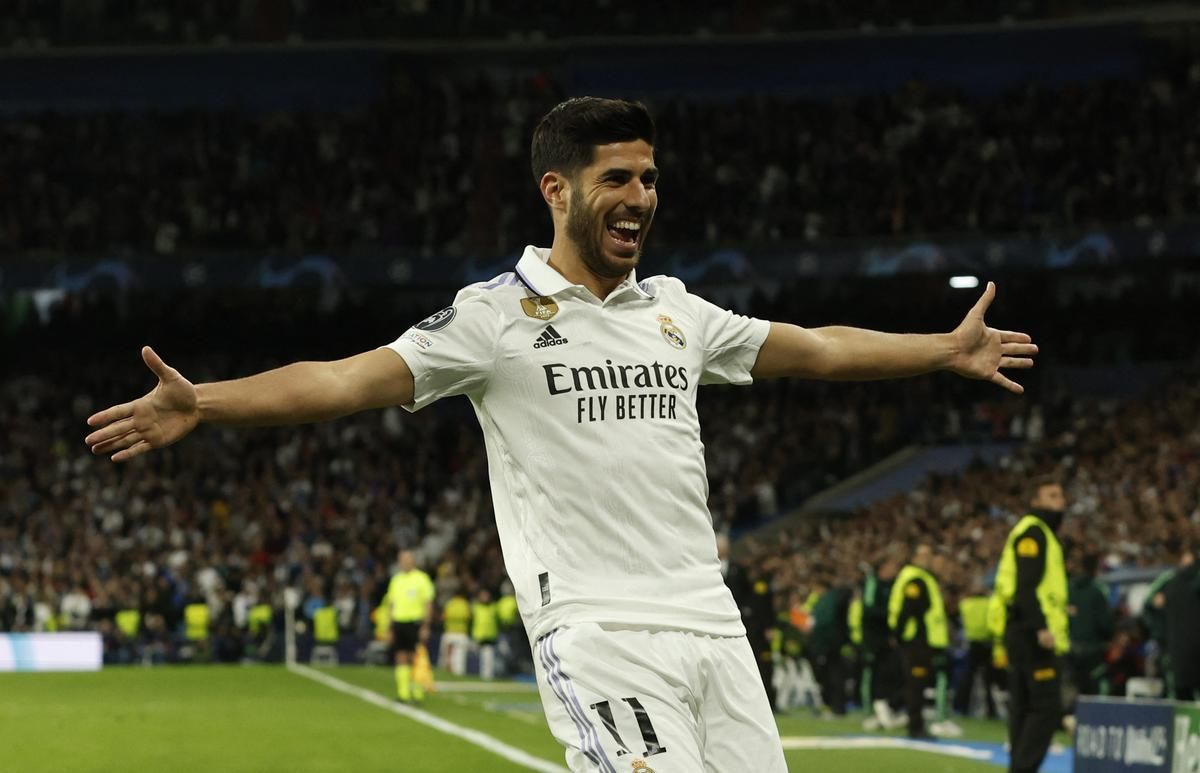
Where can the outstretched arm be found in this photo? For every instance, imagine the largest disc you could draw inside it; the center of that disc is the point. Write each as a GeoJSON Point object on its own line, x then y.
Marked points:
{"type": "Point", "coordinates": [294, 394]}
{"type": "Point", "coordinates": [973, 350]}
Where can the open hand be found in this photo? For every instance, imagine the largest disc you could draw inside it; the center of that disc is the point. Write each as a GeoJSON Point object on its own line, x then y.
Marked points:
{"type": "Point", "coordinates": [156, 420]}
{"type": "Point", "coordinates": [983, 351]}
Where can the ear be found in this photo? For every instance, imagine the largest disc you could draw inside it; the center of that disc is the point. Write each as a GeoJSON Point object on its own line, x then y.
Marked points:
{"type": "Point", "coordinates": [555, 189]}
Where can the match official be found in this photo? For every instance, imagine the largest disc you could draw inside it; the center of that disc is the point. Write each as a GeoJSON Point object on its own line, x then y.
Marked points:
{"type": "Point", "coordinates": [410, 598]}
{"type": "Point", "coordinates": [1031, 585]}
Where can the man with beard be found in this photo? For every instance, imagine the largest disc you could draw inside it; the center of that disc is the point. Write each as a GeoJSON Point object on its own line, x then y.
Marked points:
{"type": "Point", "coordinates": [584, 378]}
{"type": "Point", "coordinates": [1031, 587]}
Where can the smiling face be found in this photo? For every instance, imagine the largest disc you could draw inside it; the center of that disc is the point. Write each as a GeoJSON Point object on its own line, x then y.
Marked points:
{"type": "Point", "coordinates": [610, 207]}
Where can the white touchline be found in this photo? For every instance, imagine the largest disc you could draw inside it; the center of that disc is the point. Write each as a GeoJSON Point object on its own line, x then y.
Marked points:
{"type": "Point", "coordinates": [493, 687]}
{"type": "Point", "coordinates": [853, 742]}
{"type": "Point", "coordinates": [482, 740]}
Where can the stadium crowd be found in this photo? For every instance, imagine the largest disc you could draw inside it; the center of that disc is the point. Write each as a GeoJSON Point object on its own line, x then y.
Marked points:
{"type": "Point", "coordinates": [229, 519]}
{"type": "Point", "coordinates": [44, 23]}
{"type": "Point", "coordinates": [1132, 474]}
{"type": "Point", "coordinates": [438, 166]}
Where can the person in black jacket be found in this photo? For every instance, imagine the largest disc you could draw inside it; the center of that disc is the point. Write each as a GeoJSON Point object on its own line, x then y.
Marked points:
{"type": "Point", "coordinates": [751, 588]}
{"type": "Point", "coordinates": [830, 635]}
{"type": "Point", "coordinates": [1031, 583]}
{"type": "Point", "coordinates": [1092, 626]}
{"type": "Point", "coordinates": [882, 678]}
{"type": "Point", "coordinates": [1181, 605]}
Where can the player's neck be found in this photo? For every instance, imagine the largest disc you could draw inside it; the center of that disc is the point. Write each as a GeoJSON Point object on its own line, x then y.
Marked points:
{"type": "Point", "coordinates": [564, 258]}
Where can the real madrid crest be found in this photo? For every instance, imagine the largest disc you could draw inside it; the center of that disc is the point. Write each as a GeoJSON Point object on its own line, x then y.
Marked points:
{"type": "Point", "coordinates": [539, 307]}
{"type": "Point", "coordinates": [671, 332]}
{"type": "Point", "coordinates": [640, 766]}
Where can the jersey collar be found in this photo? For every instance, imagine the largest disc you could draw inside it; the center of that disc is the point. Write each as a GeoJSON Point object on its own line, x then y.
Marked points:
{"type": "Point", "coordinates": [535, 272]}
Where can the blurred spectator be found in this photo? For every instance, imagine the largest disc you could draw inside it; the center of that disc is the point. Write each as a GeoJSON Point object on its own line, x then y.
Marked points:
{"type": "Point", "coordinates": [419, 172]}
{"type": "Point", "coordinates": [229, 519]}
{"type": "Point", "coordinates": [43, 23]}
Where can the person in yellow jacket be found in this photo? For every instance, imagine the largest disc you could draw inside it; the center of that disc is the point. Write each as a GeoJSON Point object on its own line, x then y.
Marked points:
{"type": "Point", "coordinates": [1031, 615]}
{"type": "Point", "coordinates": [917, 621]}
{"type": "Point", "coordinates": [973, 610]}
{"type": "Point", "coordinates": [485, 629]}
{"type": "Point", "coordinates": [514, 642]}
{"type": "Point", "coordinates": [410, 599]}
{"type": "Point", "coordinates": [456, 639]}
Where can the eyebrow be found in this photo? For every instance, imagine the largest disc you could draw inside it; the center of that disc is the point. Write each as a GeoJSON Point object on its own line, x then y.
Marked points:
{"type": "Point", "coordinates": [625, 174]}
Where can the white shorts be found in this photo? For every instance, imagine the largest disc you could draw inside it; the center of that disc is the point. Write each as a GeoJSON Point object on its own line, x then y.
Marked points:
{"type": "Point", "coordinates": [636, 701]}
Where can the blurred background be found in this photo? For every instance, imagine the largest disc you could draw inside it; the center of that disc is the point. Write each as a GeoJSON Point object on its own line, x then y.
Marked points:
{"type": "Point", "coordinates": [243, 183]}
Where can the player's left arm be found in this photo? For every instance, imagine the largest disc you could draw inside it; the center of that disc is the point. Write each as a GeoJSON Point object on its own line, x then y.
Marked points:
{"type": "Point", "coordinates": [838, 353]}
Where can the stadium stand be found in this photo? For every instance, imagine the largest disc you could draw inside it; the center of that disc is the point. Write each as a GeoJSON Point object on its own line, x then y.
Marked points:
{"type": "Point", "coordinates": [927, 159]}
{"type": "Point", "coordinates": [41, 23]}
{"type": "Point", "coordinates": [230, 519]}
{"type": "Point", "coordinates": [186, 555]}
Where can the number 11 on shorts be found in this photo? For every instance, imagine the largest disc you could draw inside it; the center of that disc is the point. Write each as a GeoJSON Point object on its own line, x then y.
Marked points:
{"type": "Point", "coordinates": [649, 737]}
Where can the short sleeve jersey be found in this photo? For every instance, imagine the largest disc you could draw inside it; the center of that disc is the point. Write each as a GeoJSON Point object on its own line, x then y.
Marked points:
{"type": "Point", "coordinates": [409, 593]}
{"type": "Point", "coordinates": [588, 410]}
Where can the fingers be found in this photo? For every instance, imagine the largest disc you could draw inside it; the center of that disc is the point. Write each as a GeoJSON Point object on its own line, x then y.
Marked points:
{"type": "Point", "coordinates": [1012, 386]}
{"type": "Point", "coordinates": [155, 363]}
{"type": "Point", "coordinates": [1018, 349]}
{"type": "Point", "coordinates": [1011, 337]}
{"type": "Point", "coordinates": [114, 430]}
{"type": "Point", "coordinates": [1016, 362]}
{"type": "Point", "coordinates": [132, 452]}
{"type": "Point", "coordinates": [117, 443]}
{"type": "Point", "coordinates": [109, 415]}
{"type": "Point", "coordinates": [985, 300]}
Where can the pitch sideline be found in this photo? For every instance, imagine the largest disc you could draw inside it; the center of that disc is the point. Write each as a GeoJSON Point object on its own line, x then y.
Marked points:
{"type": "Point", "coordinates": [1059, 760]}
{"type": "Point", "coordinates": [482, 740]}
{"type": "Point", "coordinates": [855, 742]}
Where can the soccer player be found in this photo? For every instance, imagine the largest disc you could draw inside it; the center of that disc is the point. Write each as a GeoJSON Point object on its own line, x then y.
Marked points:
{"type": "Point", "coordinates": [584, 378]}
{"type": "Point", "coordinates": [410, 599]}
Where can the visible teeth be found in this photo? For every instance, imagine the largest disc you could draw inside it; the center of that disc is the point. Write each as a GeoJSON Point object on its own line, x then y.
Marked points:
{"type": "Point", "coordinates": [628, 225]}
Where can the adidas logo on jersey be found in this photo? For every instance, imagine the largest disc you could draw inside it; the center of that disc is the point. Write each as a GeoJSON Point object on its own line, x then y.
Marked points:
{"type": "Point", "coordinates": [549, 337]}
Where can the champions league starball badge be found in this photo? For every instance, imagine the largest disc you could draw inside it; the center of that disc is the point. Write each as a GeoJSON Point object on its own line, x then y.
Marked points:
{"type": "Point", "coordinates": [435, 322]}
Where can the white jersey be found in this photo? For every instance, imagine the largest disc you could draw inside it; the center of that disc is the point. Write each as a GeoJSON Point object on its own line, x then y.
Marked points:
{"type": "Point", "coordinates": [588, 410]}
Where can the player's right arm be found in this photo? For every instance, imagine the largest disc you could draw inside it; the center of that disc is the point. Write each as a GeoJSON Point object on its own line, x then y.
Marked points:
{"type": "Point", "coordinates": [299, 393]}
{"type": "Point", "coordinates": [448, 353]}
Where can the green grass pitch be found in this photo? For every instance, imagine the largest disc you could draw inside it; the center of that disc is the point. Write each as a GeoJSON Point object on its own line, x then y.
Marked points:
{"type": "Point", "coordinates": [264, 718]}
